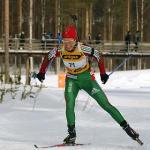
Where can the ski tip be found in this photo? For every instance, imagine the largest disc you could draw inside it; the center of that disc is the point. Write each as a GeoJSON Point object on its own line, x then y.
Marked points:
{"type": "Point", "coordinates": [35, 146]}
{"type": "Point", "coordinates": [139, 141]}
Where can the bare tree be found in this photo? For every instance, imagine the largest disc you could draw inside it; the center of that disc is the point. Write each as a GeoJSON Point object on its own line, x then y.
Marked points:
{"type": "Point", "coordinates": [142, 22]}
{"type": "Point", "coordinates": [20, 19]}
{"type": "Point", "coordinates": [43, 15]}
{"type": "Point", "coordinates": [128, 16]}
{"type": "Point", "coordinates": [30, 20]}
{"type": "Point", "coordinates": [6, 29]}
{"type": "Point", "coordinates": [137, 15]}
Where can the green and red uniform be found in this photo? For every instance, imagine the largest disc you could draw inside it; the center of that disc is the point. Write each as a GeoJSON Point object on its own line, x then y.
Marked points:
{"type": "Point", "coordinates": [79, 76]}
{"type": "Point", "coordinates": [76, 58]}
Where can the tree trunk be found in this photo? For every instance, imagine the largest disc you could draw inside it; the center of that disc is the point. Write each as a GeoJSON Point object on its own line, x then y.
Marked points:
{"type": "Point", "coordinates": [6, 29]}
{"type": "Point", "coordinates": [105, 34]}
{"type": "Point", "coordinates": [110, 20]}
{"type": "Point", "coordinates": [142, 9]}
{"type": "Point", "coordinates": [128, 16]}
{"type": "Point", "coordinates": [57, 17]}
{"type": "Point", "coordinates": [82, 24]}
{"type": "Point", "coordinates": [91, 18]}
{"type": "Point", "coordinates": [137, 15]}
{"type": "Point", "coordinates": [57, 29]}
{"type": "Point", "coordinates": [43, 15]}
{"type": "Point", "coordinates": [30, 21]}
{"type": "Point", "coordinates": [86, 21]}
{"type": "Point", "coordinates": [28, 70]}
{"type": "Point", "coordinates": [20, 16]}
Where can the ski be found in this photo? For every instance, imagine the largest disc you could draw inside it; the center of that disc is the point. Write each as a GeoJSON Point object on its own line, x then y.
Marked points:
{"type": "Point", "coordinates": [139, 141]}
{"type": "Point", "coordinates": [60, 145]}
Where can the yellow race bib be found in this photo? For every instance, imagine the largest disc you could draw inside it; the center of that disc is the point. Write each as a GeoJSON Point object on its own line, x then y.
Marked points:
{"type": "Point", "coordinates": [75, 62]}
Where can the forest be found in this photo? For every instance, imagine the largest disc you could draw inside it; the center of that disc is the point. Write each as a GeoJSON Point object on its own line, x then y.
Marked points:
{"type": "Point", "coordinates": [111, 18]}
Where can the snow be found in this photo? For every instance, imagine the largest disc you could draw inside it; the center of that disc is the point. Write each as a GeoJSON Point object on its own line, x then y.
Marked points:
{"type": "Point", "coordinates": [41, 120]}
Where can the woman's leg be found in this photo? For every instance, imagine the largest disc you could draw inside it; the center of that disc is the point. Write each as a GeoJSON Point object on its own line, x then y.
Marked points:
{"type": "Point", "coordinates": [71, 91]}
{"type": "Point", "coordinates": [94, 90]}
{"type": "Point", "coordinates": [97, 93]}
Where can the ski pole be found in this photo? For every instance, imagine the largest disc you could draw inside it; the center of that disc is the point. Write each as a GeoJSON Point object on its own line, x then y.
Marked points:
{"type": "Point", "coordinates": [120, 65]}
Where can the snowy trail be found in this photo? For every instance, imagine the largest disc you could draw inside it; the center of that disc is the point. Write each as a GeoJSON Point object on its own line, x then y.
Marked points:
{"type": "Point", "coordinates": [21, 127]}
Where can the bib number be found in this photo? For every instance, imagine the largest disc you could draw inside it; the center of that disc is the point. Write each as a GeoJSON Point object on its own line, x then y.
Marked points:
{"type": "Point", "coordinates": [72, 65]}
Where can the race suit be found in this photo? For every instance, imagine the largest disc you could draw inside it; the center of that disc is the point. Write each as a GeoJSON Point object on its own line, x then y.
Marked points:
{"type": "Point", "coordinates": [79, 77]}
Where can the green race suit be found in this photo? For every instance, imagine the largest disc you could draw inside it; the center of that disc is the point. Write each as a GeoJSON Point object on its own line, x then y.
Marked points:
{"type": "Point", "coordinates": [85, 82]}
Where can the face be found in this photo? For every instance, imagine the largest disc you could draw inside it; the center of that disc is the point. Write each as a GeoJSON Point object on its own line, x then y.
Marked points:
{"type": "Point", "coordinates": [69, 44]}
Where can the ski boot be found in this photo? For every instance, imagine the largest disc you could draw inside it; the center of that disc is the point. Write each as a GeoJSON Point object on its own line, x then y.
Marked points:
{"type": "Point", "coordinates": [70, 139]}
{"type": "Point", "coordinates": [129, 130]}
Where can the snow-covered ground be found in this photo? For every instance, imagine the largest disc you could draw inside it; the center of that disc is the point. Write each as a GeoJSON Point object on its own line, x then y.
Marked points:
{"type": "Point", "coordinates": [41, 120]}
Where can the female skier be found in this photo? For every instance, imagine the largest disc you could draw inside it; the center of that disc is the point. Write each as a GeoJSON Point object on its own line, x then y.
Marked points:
{"type": "Point", "coordinates": [76, 58]}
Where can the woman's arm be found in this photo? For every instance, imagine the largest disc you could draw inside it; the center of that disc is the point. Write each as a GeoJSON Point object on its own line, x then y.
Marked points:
{"type": "Point", "coordinates": [48, 59]}
{"type": "Point", "coordinates": [46, 62]}
{"type": "Point", "coordinates": [91, 52]}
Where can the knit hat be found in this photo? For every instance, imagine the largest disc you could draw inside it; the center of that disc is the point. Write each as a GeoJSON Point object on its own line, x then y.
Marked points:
{"type": "Point", "coordinates": [70, 32]}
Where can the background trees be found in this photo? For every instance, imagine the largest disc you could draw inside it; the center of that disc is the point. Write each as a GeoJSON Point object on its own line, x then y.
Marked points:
{"type": "Point", "coordinates": [112, 18]}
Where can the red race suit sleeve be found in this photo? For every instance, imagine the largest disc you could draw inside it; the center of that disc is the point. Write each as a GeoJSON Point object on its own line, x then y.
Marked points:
{"type": "Point", "coordinates": [91, 52]}
{"type": "Point", "coordinates": [52, 54]}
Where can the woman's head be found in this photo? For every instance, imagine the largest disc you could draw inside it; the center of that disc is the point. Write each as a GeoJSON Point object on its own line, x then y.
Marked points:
{"type": "Point", "coordinates": [70, 38]}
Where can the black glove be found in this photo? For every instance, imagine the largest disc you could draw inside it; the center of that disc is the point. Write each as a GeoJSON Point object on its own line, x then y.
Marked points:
{"type": "Point", "coordinates": [41, 76]}
{"type": "Point", "coordinates": [104, 78]}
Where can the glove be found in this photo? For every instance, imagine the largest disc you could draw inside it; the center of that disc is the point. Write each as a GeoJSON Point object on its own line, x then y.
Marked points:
{"type": "Point", "coordinates": [41, 76]}
{"type": "Point", "coordinates": [104, 78]}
